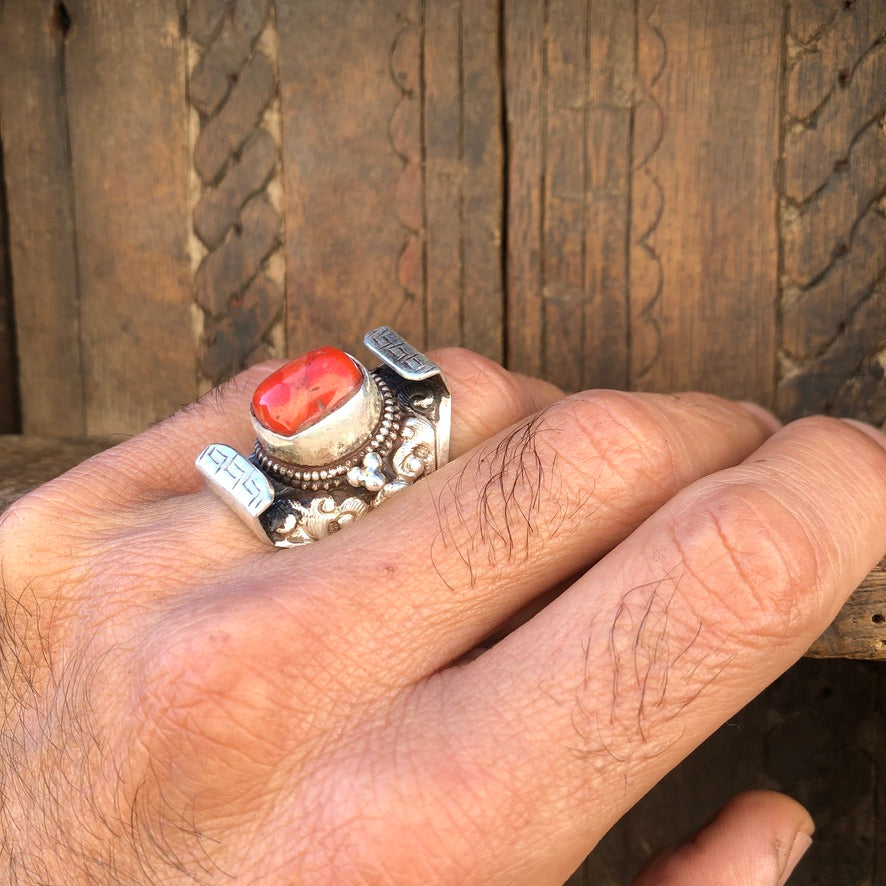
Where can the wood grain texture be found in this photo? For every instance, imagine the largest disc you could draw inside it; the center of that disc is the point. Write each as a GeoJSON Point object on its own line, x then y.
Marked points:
{"type": "Point", "coordinates": [833, 212]}
{"type": "Point", "coordinates": [703, 240]}
{"type": "Point", "coordinates": [233, 88]}
{"type": "Point", "coordinates": [859, 631]}
{"type": "Point", "coordinates": [350, 173]}
{"type": "Point", "coordinates": [464, 170]}
{"type": "Point", "coordinates": [524, 35]}
{"type": "Point", "coordinates": [40, 189]}
{"type": "Point", "coordinates": [125, 79]}
{"type": "Point", "coordinates": [569, 83]}
{"type": "Point", "coordinates": [26, 462]}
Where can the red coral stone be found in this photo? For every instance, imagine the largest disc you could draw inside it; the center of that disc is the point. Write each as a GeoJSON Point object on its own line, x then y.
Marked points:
{"type": "Point", "coordinates": [302, 392]}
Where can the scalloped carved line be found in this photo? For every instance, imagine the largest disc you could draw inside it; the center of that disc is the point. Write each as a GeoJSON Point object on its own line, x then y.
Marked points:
{"type": "Point", "coordinates": [647, 270]}
{"type": "Point", "coordinates": [405, 138]}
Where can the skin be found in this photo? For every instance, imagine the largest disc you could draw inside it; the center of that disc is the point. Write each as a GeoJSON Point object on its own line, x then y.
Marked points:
{"type": "Point", "coordinates": [470, 685]}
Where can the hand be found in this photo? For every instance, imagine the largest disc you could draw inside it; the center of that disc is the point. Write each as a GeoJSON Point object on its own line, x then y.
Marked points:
{"type": "Point", "coordinates": [184, 705]}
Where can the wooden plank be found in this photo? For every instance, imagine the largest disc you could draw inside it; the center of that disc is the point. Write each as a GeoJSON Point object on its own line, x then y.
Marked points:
{"type": "Point", "coordinates": [859, 630]}
{"type": "Point", "coordinates": [832, 218]}
{"type": "Point", "coordinates": [233, 87]}
{"type": "Point", "coordinates": [125, 78]}
{"type": "Point", "coordinates": [565, 187]}
{"type": "Point", "coordinates": [28, 461]}
{"type": "Point", "coordinates": [463, 176]}
{"type": "Point", "coordinates": [703, 250]}
{"type": "Point", "coordinates": [444, 172]}
{"type": "Point", "coordinates": [590, 64]}
{"type": "Point", "coordinates": [524, 28]}
{"type": "Point", "coordinates": [41, 221]}
{"type": "Point", "coordinates": [607, 133]}
{"type": "Point", "coordinates": [350, 102]}
{"type": "Point", "coordinates": [570, 84]}
{"type": "Point", "coordinates": [482, 148]}
{"type": "Point", "coordinates": [9, 412]}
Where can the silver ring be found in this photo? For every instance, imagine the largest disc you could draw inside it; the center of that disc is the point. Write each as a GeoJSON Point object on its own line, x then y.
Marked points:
{"type": "Point", "coordinates": [334, 440]}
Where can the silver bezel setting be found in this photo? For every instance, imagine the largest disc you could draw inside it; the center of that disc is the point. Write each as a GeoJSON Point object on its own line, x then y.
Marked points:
{"type": "Point", "coordinates": [333, 437]}
{"type": "Point", "coordinates": [334, 474]}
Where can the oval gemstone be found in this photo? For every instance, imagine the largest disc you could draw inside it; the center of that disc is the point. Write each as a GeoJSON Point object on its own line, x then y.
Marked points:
{"type": "Point", "coordinates": [306, 390]}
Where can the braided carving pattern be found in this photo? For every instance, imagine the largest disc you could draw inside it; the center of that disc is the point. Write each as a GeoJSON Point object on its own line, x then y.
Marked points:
{"type": "Point", "coordinates": [233, 89]}
{"type": "Point", "coordinates": [833, 210]}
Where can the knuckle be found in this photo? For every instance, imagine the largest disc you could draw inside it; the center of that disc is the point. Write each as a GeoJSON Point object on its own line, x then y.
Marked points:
{"type": "Point", "coordinates": [754, 558]}
{"type": "Point", "coordinates": [495, 396]}
{"type": "Point", "coordinates": [227, 682]}
{"type": "Point", "coordinates": [614, 432]}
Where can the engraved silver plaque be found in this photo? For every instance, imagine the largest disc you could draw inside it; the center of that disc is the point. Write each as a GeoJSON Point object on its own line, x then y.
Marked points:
{"type": "Point", "coordinates": [238, 483]}
{"type": "Point", "coordinates": [393, 350]}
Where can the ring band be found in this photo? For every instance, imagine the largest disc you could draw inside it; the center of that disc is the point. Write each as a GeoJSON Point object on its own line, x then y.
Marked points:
{"type": "Point", "coordinates": [334, 440]}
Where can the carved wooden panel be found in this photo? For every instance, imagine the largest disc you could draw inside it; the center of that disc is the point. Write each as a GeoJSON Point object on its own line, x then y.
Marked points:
{"type": "Point", "coordinates": [832, 215]}
{"type": "Point", "coordinates": [393, 171]}
{"type": "Point", "coordinates": [652, 194]}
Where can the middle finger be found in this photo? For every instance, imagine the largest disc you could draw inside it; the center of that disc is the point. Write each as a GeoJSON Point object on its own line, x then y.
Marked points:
{"type": "Point", "coordinates": [447, 561]}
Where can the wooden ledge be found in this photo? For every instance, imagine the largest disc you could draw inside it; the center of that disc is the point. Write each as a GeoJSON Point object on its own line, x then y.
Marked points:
{"type": "Point", "coordinates": [859, 630]}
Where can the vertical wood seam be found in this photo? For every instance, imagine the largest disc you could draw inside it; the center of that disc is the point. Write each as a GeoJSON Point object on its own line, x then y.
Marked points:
{"type": "Point", "coordinates": [505, 205]}
{"type": "Point", "coordinates": [462, 172]}
{"type": "Point", "coordinates": [412, 236]}
{"type": "Point", "coordinates": [423, 149]}
{"type": "Point", "coordinates": [642, 241]}
{"type": "Point", "coordinates": [543, 186]}
{"type": "Point", "coordinates": [780, 177]}
{"type": "Point", "coordinates": [72, 209]}
{"type": "Point", "coordinates": [585, 165]}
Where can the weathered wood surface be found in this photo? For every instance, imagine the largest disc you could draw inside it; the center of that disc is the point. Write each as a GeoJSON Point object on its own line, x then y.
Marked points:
{"type": "Point", "coordinates": [39, 190]}
{"type": "Point", "coordinates": [647, 195]}
{"type": "Point", "coordinates": [463, 186]}
{"type": "Point", "coordinates": [351, 117]}
{"type": "Point", "coordinates": [832, 213]}
{"type": "Point", "coordinates": [392, 171]}
{"type": "Point", "coordinates": [703, 236]}
{"type": "Point", "coordinates": [860, 629]}
{"type": "Point", "coordinates": [569, 80]}
{"type": "Point", "coordinates": [124, 77]}
{"type": "Point", "coordinates": [96, 150]}
{"type": "Point", "coordinates": [236, 214]}
{"type": "Point", "coordinates": [27, 462]}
